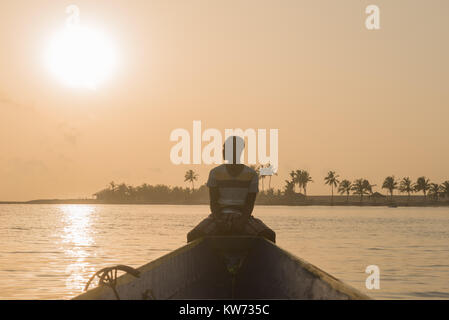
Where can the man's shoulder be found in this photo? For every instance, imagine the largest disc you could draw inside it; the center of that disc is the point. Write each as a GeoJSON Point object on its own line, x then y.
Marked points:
{"type": "Point", "coordinates": [219, 168]}
{"type": "Point", "coordinates": [222, 167]}
{"type": "Point", "coordinates": [221, 172]}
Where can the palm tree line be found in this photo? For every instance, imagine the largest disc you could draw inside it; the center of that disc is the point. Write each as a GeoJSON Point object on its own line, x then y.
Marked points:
{"type": "Point", "coordinates": [145, 193]}
{"type": "Point", "coordinates": [300, 178]}
{"type": "Point", "coordinates": [362, 187]}
{"type": "Point", "coordinates": [297, 179]}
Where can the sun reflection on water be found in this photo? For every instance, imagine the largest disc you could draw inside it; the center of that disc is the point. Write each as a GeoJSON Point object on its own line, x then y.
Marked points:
{"type": "Point", "coordinates": [77, 239]}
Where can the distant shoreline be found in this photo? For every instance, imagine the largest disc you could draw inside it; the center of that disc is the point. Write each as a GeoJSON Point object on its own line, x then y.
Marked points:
{"type": "Point", "coordinates": [310, 201]}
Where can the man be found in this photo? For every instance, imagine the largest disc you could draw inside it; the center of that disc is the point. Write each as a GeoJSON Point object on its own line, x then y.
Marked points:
{"type": "Point", "coordinates": [232, 189]}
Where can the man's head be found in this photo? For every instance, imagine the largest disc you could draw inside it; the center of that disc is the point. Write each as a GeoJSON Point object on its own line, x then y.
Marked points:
{"type": "Point", "coordinates": [233, 150]}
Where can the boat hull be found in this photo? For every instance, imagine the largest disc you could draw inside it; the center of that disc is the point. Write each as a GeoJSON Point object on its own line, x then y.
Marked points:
{"type": "Point", "coordinates": [227, 268]}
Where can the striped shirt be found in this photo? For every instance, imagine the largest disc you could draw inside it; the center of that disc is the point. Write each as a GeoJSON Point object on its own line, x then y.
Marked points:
{"type": "Point", "coordinates": [233, 190]}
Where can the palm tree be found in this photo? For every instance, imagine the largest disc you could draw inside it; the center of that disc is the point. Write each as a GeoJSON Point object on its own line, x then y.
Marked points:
{"type": "Point", "coordinates": [362, 187]}
{"type": "Point", "coordinates": [191, 176]}
{"type": "Point", "coordinates": [406, 186]}
{"type": "Point", "coordinates": [368, 187]}
{"type": "Point", "coordinates": [445, 189]}
{"type": "Point", "coordinates": [422, 184]}
{"type": "Point", "coordinates": [303, 179]}
{"type": "Point", "coordinates": [289, 188]}
{"type": "Point", "coordinates": [390, 183]}
{"type": "Point", "coordinates": [293, 179]}
{"type": "Point", "coordinates": [345, 187]}
{"type": "Point", "coordinates": [122, 190]}
{"type": "Point", "coordinates": [331, 179]}
{"type": "Point", "coordinates": [434, 191]}
{"type": "Point", "coordinates": [297, 178]}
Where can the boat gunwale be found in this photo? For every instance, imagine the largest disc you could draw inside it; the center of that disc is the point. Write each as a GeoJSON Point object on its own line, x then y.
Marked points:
{"type": "Point", "coordinates": [127, 278]}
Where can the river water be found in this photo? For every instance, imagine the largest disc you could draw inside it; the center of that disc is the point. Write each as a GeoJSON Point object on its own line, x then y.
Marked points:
{"type": "Point", "coordinates": [50, 251]}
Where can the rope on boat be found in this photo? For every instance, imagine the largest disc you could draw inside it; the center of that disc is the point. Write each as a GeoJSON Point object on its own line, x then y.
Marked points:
{"type": "Point", "coordinates": [108, 277]}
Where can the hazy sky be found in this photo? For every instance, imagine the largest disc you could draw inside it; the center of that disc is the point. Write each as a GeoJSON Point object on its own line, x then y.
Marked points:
{"type": "Point", "coordinates": [364, 103]}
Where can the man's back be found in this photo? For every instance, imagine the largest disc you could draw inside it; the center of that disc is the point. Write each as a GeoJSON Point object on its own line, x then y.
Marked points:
{"type": "Point", "coordinates": [232, 190]}
{"type": "Point", "coordinates": [233, 183]}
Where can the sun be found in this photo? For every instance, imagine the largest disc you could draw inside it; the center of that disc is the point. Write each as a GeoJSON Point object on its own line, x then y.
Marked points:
{"type": "Point", "coordinates": [81, 57]}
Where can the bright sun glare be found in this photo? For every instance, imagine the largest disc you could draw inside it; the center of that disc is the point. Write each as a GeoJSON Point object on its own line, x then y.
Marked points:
{"type": "Point", "coordinates": [81, 57]}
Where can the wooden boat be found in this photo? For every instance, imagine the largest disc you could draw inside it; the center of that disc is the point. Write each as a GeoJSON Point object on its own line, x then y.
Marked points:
{"type": "Point", "coordinates": [226, 268]}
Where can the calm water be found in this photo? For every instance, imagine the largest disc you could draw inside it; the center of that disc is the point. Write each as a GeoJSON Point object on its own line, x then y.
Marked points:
{"type": "Point", "coordinates": [49, 251]}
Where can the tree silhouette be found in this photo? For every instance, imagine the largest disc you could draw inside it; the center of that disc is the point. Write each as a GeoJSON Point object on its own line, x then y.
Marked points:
{"type": "Point", "coordinates": [362, 187]}
{"type": "Point", "coordinates": [294, 179]}
{"type": "Point", "coordinates": [391, 184]}
{"type": "Point", "coordinates": [445, 189]}
{"type": "Point", "coordinates": [331, 179]}
{"type": "Point", "coordinates": [345, 187]}
{"type": "Point", "coordinates": [303, 178]}
{"type": "Point", "coordinates": [434, 191]}
{"type": "Point", "coordinates": [145, 193]}
{"type": "Point", "coordinates": [406, 186]}
{"type": "Point", "coordinates": [297, 178]}
{"type": "Point", "coordinates": [289, 187]}
{"type": "Point", "coordinates": [368, 187]}
{"type": "Point", "coordinates": [191, 176]}
{"type": "Point", "coordinates": [422, 184]}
